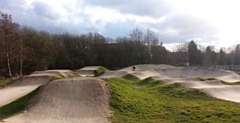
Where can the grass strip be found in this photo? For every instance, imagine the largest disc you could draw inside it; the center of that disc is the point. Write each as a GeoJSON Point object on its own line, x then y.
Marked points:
{"type": "Point", "coordinates": [205, 79]}
{"type": "Point", "coordinates": [4, 82]}
{"type": "Point", "coordinates": [100, 71]}
{"type": "Point", "coordinates": [56, 77]}
{"type": "Point", "coordinates": [230, 83]}
{"type": "Point", "coordinates": [238, 73]}
{"type": "Point", "coordinates": [17, 106]}
{"type": "Point", "coordinates": [224, 82]}
{"type": "Point", "coordinates": [74, 74]}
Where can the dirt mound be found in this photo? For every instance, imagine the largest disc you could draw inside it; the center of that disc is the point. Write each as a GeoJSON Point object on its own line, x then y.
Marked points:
{"type": "Point", "coordinates": [145, 74]}
{"type": "Point", "coordinates": [176, 79]}
{"type": "Point", "coordinates": [192, 72]}
{"type": "Point", "coordinates": [87, 71]}
{"type": "Point", "coordinates": [214, 88]}
{"type": "Point", "coordinates": [167, 71]}
{"type": "Point", "coordinates": [27, 84]}
{"type": "Point", "coordinates": [142, 71]}
{"type": "Point", "coordinates": [204, 84]}
{"type": "Point", "coordinates": [188, 76]}
{"type": "Point", "coordinates": [148, 67]}
{"type": "Point", "coordinates": [109, 74]}
{"type": "Point", "coordinates": [90, 68]}
{"type": "Point", "coordinates": [20, 88]}
{"type": "Point", "coordinates": [68, 101]}
{"type": "Point", "coordinates": [51, 73]}
{"type": "Point", "coordinates": [230, 93]}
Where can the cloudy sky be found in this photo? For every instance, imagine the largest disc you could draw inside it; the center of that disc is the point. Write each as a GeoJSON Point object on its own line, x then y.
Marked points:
{"type": "Point", "coordinates": [208, 22]}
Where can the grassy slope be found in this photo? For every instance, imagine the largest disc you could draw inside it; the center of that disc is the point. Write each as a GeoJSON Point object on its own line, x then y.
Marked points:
{"type": "Point", "coordinates": [20, 104]}
{"type": "Point", "coordinates": [100, 71]}
{"type": "Point", "coordinates": [7, 81]}
{"type": "Point", "coordinates": [205, 79]}
{"type": "Point", "coordinates": [156, 102]}
{"type": "Point", "coordinates": [74, 74]}
{"type": "Point", "coordinates": [238, 73]}
{"type": "Point", "coordinates": [17, 106]}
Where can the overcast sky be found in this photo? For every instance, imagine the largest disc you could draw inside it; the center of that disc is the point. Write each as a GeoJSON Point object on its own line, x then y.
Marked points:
{"type": "Point", "coordinates": [208, 22]}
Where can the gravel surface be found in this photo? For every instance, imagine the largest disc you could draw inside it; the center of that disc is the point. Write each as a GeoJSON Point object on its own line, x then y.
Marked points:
{"type": "Point", "coordinates": [68, 101]}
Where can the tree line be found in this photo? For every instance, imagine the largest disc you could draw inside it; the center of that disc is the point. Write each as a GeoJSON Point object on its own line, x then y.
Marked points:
{"type": "Point", "coordinates": [24, 50]}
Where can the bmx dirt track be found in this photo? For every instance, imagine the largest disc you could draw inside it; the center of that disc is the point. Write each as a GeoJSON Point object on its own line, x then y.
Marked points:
{"type": "Point", "coordinates": [86, 100]}
{"type": "Point", "coordinates": [68, 101]}
{"type": "Point", "coordinates": [88, 70]}
{"type": "Point", "coordinates": [21, 88]}
{"type": "Point", "coordinates": [27, 84]}
{"type": "Point", "coordinates": [189, 77]}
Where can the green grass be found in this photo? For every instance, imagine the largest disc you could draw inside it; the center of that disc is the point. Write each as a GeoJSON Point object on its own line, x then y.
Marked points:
{"type": "Point", "coordinates": [100, 71]}
{"type": "Point", "coordinates": [205, 79]}
{"type": "Point", "coordinates": [157, 102]}
{"type": "Point", "coordinates": [7, 81]}
{"type": "Point", "coordinates": [226, 83]}
{"type": "Point", "coordinates": [60, 76]}
{"type": "Point", "coordinates": [74, 74]}
{"type": "Point", "coordinates": [230, 83]}
{"type": "Point", "coordinates": [17, 106]}
{"type": "Point", "coordinates": [238, 73]}
{"type": "Point", "coordinates": [57, 77]}
{"type": "Point", "coordinates": [131, 77]}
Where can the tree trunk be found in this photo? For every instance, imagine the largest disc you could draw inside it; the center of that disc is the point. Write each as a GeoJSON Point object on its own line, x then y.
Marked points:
{"type": "Point", "coordinates": [20, 72]}
{"type": "Point", "coordinates": [8, 58]}
{"type": "Point", "coordinates": [9, 67]}
{"type": "Point", "coordinates": [21, 56]}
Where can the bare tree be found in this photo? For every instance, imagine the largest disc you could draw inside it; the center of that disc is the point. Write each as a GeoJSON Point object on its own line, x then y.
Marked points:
{"type": "Point", "coordinates": [182, 47]}
{"type": "Point", "coordinates": [150, 39]}
{"type": "Point", "coordinates": [25, 34]}
{"type": "Point", "coordinates": [8, 31]}
{"type": "Point", "coordinates": [181, 53]}
{"type": "Point", "coordinates": [136, 35]}
{"type": "Point", "coordinates": [237, 55]}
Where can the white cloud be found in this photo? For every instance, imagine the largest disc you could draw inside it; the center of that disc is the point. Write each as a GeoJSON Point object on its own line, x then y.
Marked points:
{"type": "Point", "coordinates": [212, 22]}
{"type": "Point", "coordinates": [148, 8]}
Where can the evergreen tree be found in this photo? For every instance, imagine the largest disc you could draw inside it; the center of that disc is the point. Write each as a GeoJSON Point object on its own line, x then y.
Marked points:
{"type": "Point", "coordinates": [237, 55]}
{"type": "Point", "coordinates": [195, 56]}
{"type": "Point", "coordinates": [222, 59]}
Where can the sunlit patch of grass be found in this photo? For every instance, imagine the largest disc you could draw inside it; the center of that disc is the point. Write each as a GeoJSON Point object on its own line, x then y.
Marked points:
{"type": "Point", "coordinates": [157, 102]}
{"type": "Point", "coordinates": [131, 77]}
{"type": "Point", "coordinates": [100, 71]}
